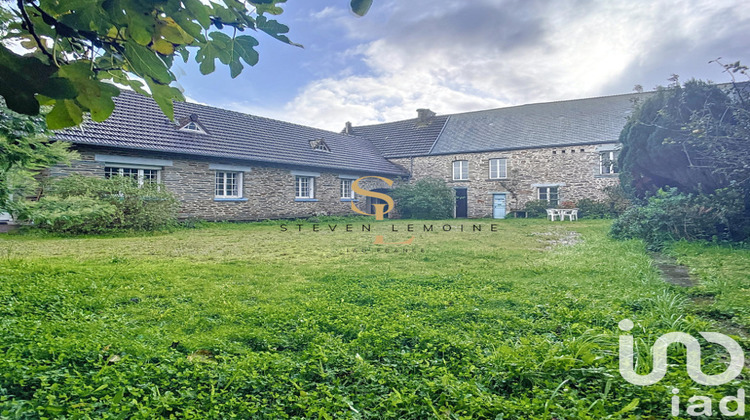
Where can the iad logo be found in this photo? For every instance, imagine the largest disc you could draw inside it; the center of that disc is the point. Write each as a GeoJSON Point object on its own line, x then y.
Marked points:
{"type": "Point", "coordinates": [659, 354]}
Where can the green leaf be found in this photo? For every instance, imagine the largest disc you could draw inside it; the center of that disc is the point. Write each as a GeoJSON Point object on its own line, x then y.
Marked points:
{"type": "Point", "coordinates": [243, 48]}
{"type": "Point", "coordinates": [164, 95]}
{"type": "Point", "coordinates": [94, 95]}
{"type": "Point", "coordinates": [275, 29]}
{"type": "Point", "coordinates": [65, 114]}
{"type": "Point", "coordinates": [21, 77]}
{"type": "Point", "coordinates": [218, 47]}
{"type": "Point", "coordinates": [199, 11]}
{"type": "Point", "coordinates": [361, 7]}
{"type": "Point", "coordinates": [145, 63]}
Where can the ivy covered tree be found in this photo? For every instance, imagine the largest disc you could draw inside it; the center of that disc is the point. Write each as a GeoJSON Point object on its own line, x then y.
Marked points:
{"type": "Point", "coordinates": [75, 51]}
{"type": "Point", "coordinates": [693, 136]}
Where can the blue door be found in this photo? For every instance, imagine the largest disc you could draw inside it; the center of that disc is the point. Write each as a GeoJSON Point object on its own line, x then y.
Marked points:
{"type": "Point", "coordinates": [498, 206]}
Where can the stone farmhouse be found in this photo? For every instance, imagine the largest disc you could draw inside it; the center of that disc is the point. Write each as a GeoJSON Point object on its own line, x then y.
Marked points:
{"type": "Point", "coordinates": [225, 165]}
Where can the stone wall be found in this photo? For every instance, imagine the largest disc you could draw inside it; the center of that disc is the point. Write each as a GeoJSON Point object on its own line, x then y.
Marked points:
{"type": "Point", "coordinates": [268, 190]}
{"type": "Point", "coordinates": [575, 168]}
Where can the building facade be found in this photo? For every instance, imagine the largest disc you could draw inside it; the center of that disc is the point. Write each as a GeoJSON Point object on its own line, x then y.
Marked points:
{"type": "Point", "coordinates": [224, 165]}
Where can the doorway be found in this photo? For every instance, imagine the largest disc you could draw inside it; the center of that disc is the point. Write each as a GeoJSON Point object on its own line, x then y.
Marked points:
{"type": "Point", "coordinates": [462, 203]}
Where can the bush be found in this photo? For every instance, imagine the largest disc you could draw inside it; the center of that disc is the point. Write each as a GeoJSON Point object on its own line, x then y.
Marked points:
{"type": "Point", "coordinates": [591, 209]}
{"type": "Point", "coordinates": [83, 204]}
{"type": "Point", "coordinates": [428, 198]}
{"type": "Point", "coordinates": [537, 208]}
{"type": "Point", "coordinates": [671, 216]}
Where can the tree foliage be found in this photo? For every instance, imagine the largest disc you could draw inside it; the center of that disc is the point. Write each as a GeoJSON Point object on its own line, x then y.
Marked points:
{"type": "Point", "coordinates": [24, 151]}
{"type": "Point", "coordinates": [77, 50]}
{"type": "Point", "coordinates": [695, 137]}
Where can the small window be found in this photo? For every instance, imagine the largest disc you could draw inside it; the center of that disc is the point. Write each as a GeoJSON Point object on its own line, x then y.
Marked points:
{"type": "Point", "coordinates": [193, 127]}
{"type": "Point", "coordinates": [228, 185]}
{"type": "Point", "coordinates": [346, 189]}
{"type": "Point", "coordinates": [498, 168]}
{"type": "Point", "coordinates": [141, 176]}
{"type": "Point", "coordinates": [461, 170]}
{"type": "Point", "coordinates": [320, 145]}
{"type": "Point", "coordinates": [549, 194]}
{"type": "Point", "coordinates": [305, 187]}
{"type": "Point", "coordinates": [608, 163]}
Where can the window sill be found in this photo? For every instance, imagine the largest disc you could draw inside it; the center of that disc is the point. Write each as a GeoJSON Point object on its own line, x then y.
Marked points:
{"type": "Point", "coordinates": [461, 180]}
{"type": "Point", "coordinates": [305, 200]}
{"type": "Point", "coordinates": [230, 199]}
{"type": "Point", "coordinates": [497, 179]}
{"type": "Point", "coordinates": [606, 176]}
{"type": "Point", "coordinates": [349, 200]}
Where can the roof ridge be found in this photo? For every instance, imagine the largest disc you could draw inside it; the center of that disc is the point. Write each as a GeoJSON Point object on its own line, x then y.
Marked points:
{"type": "Point", "coordinates": [514, 106]}
{"type": "Point", "coordinates": [244, 114]}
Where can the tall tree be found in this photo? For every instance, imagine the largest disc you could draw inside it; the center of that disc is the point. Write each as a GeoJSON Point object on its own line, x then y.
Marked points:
{"type": "Point", "coordinates": [695, 137]}
{"type": "Point", "coordinates": [77, 50]}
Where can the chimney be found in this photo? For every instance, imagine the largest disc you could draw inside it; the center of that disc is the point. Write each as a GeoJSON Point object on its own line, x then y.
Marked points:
{"type": "Point", "coordinates": [348, 128]}
{"type": "Point", "coordinates": [424, 115]}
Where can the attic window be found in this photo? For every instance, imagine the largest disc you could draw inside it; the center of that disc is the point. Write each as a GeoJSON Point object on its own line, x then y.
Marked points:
{"type": "Point", "coordinates": [191, 124]}
{"type": "Point", "coordinates": [320, 145]}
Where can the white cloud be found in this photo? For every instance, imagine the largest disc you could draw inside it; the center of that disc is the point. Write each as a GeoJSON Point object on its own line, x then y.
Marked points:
{"type": "Point", "coordinates": [476, 55]}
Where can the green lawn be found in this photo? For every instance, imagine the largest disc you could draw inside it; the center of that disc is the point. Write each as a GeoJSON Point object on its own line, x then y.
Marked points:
{"type": "Point", "coordinates": [247, 321]}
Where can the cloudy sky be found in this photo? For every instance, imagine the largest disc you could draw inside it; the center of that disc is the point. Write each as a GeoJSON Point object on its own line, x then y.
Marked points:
{"type": "Point", "coordinates": [455, 56]}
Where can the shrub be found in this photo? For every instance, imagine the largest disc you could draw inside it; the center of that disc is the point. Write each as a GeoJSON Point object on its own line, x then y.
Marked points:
{"type": "Point", "coordinates": [537, 208]}
{"type": "Point", "coordinates": [83, 204]}
{"type": "Point", "coordinates": [671, 215]}
{"type": "Point", "coordinates": [73, 214]}
{"type": "Point", "coordinates": [428, 198]}
{"type": "Point", "coordinates": [591, 209]}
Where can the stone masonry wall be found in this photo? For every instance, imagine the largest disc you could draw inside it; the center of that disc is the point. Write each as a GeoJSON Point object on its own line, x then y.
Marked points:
{"type": "Point", "coordinates": [575, 167]}
{"type": "Point", "coordinates": [269, 190]}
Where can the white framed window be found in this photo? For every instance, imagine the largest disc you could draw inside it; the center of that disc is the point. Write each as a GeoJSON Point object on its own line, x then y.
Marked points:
{"type": "Point", "coordinates": [498, 168]}
{"type": "Point", "coordinates": [549, 194]}
{"type": "Point", "coordinates": [346, 189]}
{"type": "Point", "coordinates": [193, 127]}
{"type": "Point", "coordinates": [142, 176]}
{"type": "Point", "coordinates": [460, 170]}
{"type": "Point", "coordinates": [608, 162]}
{"type": "Point", "coordinates": [304, 186]}
{"type": "Point", "coordinates": [228, 184]}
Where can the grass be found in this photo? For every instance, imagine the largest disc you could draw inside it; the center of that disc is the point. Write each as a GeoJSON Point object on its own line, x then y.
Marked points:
{"type": "Point", "coordinates": [723, 275]}
{"type": "Point", "coordinates": [247, 321]}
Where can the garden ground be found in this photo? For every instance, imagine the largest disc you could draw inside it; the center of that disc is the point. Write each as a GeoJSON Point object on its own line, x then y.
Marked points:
{"type": "Point", "coordinates": [245, 321]}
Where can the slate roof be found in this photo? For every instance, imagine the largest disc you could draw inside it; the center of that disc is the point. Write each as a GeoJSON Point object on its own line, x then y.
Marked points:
{"type": "Point", "coordinates": [138, 123]}
{"type": "Point", "coordinates": [563, 123]}
{"type": "Point", "coordinates": [402, 138]}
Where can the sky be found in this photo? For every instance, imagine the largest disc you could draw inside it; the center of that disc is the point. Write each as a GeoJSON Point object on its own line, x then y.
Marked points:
{"type": "Point", "coordinates": [458, 56]}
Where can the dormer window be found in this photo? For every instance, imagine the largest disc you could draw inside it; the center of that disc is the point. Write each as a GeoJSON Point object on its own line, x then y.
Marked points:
{"type": "Point", "coordinates": [191, 124]}
{"type": "Point", "coordinates": [320, 145]}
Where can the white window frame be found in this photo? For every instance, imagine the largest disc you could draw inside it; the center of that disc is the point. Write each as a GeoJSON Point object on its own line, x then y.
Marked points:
{"type": "Point", "coordinates": [346, 186]}
{"type": "Point", "coordinates": [298, 193]}
{"type": "Point", "coordinates": [193, 127]}
{"type": "Point", "coordinates": [463, 169]}
{"type": "Point", "coordinates": [239, 180]}
{"type": "Point", "coordinates": [139, 173]}
{"type": "Point", "coordinates": [612, 168]}
{"type": "Point", "coordinates": [496, 162]}
{"type": "Point", "coordinates": [548, 194]}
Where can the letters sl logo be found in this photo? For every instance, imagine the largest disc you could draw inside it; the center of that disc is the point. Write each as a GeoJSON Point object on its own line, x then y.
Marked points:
{"type": "Point", "coordinates": [379, 208]}
{"type": "Point", "coordinates": [659, 353]}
